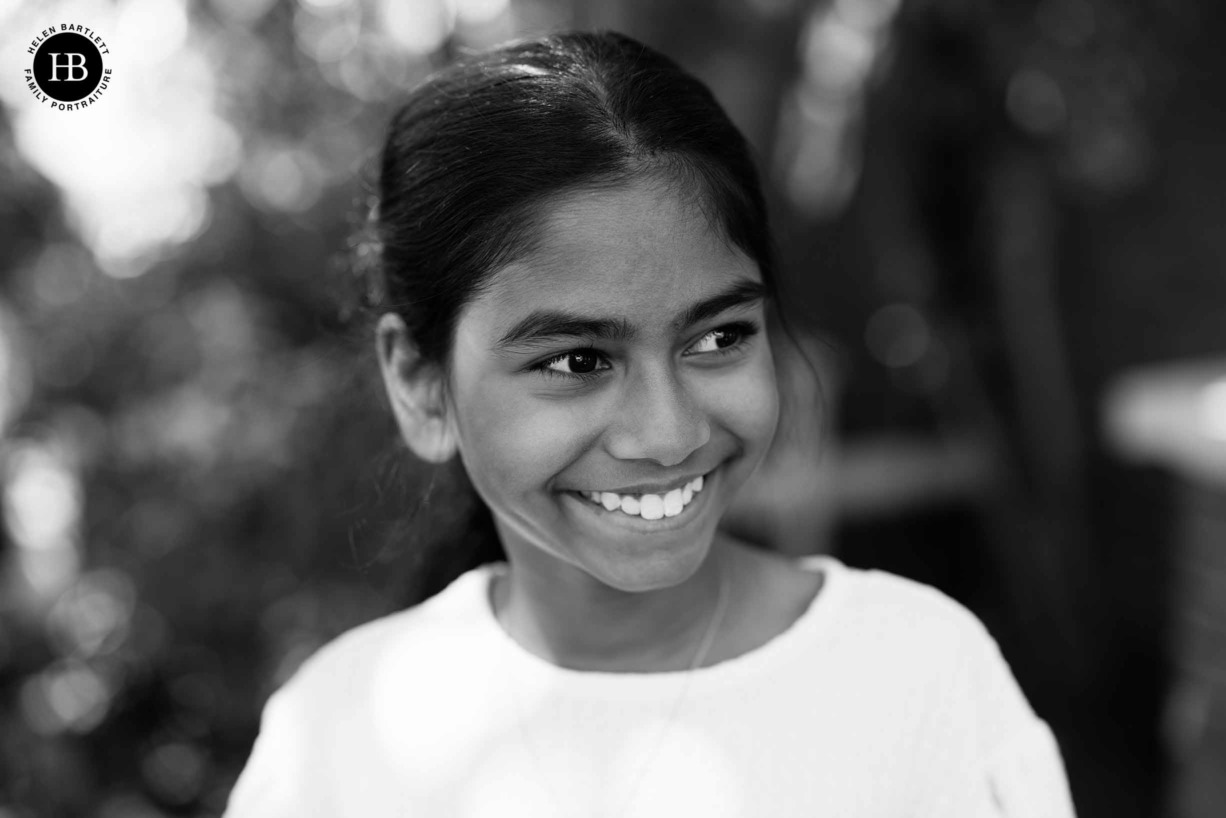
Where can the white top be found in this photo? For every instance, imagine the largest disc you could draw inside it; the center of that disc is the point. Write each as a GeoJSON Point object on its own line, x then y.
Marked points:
{"type": "Point", "coordinates": [885, 698]}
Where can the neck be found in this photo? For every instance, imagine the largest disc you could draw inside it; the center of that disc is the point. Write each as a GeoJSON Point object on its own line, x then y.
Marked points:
{"type": "Point", "coordinates": [566, 616]}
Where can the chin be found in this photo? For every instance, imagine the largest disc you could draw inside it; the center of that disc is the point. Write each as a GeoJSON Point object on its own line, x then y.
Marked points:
{"type": "Point", "coordinates": [656, 570]}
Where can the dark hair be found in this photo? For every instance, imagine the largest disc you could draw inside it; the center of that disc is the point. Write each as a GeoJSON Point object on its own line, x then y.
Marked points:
{"type": "Point", "coordinates": [478, 152]}
{"type": "Point", "coordinates": [480, 149]}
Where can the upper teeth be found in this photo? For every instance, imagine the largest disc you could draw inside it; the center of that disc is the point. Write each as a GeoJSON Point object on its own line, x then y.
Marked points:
{"type": "Point", "coordinates": [648, 506]}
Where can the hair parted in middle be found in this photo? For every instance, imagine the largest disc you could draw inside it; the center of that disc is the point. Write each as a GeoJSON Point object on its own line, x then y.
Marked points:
{"type": "Point", "coordinates": [478, 152]}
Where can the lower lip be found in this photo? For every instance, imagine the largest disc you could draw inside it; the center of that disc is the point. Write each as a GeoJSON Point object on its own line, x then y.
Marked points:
{"type": "Point", "coordinates": [637, 523]}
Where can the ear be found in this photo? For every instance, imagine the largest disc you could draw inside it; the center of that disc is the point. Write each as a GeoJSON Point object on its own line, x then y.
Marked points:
{"type": "Point", "coordinates": [416, 389]}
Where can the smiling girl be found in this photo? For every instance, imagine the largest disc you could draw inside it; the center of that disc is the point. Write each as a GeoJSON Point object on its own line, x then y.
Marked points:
{"type": "Point", "coordinates": [577, 279]}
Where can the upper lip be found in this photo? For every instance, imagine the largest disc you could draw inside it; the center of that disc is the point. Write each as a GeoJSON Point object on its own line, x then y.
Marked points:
{"type": "Point", "coordinates": [662, 487]}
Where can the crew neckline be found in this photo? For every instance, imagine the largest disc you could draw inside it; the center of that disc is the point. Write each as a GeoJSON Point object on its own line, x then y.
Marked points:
{"type": "Point", "coordinates": [761, 660]}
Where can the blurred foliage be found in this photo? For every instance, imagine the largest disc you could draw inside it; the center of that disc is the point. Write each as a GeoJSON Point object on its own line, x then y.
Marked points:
{"type": "Point", "coordinates": [202, 483]}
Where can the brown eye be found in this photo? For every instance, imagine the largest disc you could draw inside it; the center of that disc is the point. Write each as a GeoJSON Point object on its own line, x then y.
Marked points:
{"type": "Point", "coordinates": [575, 362]}
{"type": "Point", "coordinates": [582, 362]}
{"type": "Point", "coordinates": [717, 339]}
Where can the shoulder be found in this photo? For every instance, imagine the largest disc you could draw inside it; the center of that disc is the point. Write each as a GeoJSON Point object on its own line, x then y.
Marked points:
{"type": "Point", "coordinates": [980, 737]}
{"type": "Point", "coordinates": [899, 626]}
{"type": "Point", "coordinates": [939, 640]}
{"type": "Point", "coordinates": [343, 715]}
{"type": "Point", "coordinates": [397, 646]}
{"type": "Point", "coordinates": [890, 606]}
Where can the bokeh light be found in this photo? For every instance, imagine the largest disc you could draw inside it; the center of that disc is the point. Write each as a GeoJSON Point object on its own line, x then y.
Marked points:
{"type": "Point", "coordinates": [69, 695]}
{"type": "Point", "coordinates": [14, 369]}
{"type": "Point", "coordinates": [1212, 411]}
{"type": "Point", "coordinates": [840, 47]}
{"type": "Point", "coordinates": [133, 174]}
{"type": "Point", "coordinates": [42, 498]}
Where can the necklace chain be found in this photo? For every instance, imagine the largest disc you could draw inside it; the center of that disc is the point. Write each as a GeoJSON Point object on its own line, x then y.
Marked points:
{"type": "Point", "coordinates": [704, 647]}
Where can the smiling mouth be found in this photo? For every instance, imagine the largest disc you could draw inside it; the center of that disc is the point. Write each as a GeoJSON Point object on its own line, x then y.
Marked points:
{"type": "Point", "coordinates": [647, 506]}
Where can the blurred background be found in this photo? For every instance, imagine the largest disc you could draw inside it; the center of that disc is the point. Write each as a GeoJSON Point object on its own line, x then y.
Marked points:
{"type": "Point", "coordinates": [1001, 228]}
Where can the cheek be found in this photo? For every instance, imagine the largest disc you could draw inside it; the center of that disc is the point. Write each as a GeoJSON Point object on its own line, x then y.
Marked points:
{"type": "Point", "coordinates": [497, 437]}
{"type": "Point", "coordinates": [749, 406]}
{"type": "Point", "coordinates": [510, 441]}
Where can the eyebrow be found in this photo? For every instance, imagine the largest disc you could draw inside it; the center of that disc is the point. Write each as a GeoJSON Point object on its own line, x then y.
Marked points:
{"type": "Point", "coordinates": [545, 324]}
{"type": "Point", "coordinates": [740, 294]}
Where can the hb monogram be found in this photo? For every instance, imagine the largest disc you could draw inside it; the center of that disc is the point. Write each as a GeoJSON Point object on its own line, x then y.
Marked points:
{"type": "Point", "coordinates": [68, 71]}
{"type": "Point", "coordinates": [72, 65]}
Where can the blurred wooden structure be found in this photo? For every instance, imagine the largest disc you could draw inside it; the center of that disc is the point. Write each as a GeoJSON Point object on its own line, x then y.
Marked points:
{"type": "Point", "coordinates": [1174, 416]}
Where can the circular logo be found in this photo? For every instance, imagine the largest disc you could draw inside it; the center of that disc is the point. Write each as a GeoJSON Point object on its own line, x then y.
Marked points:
{"type": "Point", "coordinates": [68, 66]}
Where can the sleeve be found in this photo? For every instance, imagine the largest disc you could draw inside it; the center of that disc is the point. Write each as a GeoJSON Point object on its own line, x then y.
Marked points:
{"type": "Point", "coordinates": [271, 784]}
{"type": "Point", "coordinates": [1000, 760]}
{"type": "Point", "coordinates": [1025, 777]}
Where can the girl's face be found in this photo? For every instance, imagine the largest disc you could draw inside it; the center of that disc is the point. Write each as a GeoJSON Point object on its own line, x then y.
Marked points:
{"type": "Point", "coordinates": [595, 381]}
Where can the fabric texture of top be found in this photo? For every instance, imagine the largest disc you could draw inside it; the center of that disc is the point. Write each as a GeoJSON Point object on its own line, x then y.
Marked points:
{"type": "Point", "coordinates": [885, 698]}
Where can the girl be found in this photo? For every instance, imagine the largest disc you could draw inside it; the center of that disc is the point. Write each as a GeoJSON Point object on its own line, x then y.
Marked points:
{"type": "Point", "coordinates": [576, 282]}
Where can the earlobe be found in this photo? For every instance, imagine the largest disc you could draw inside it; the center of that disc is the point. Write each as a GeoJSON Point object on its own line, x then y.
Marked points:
{"type": "Point", "coordinates": [416, 390]}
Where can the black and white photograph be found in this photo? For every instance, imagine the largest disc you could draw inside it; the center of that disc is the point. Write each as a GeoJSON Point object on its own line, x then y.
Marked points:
{"type": "Point", "coordinates": [612, 409]}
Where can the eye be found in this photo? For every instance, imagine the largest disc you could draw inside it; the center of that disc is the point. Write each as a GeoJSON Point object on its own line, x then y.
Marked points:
{"type": "Point", "coordinates": [577, 362]}
{"type": "Point", "coordinates": [722, 339]}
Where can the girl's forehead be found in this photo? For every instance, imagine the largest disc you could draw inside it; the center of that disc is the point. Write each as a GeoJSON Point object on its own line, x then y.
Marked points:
{"type": "Point", "coordinates": [636, 251]}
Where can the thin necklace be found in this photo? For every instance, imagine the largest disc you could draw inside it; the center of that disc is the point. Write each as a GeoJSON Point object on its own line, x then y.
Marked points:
{"type": "Point", "coordinates": [708, 638]}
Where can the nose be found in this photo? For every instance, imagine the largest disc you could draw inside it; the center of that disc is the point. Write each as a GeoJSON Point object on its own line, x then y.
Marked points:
{"type": "Point", "coordinates": [658, 419]}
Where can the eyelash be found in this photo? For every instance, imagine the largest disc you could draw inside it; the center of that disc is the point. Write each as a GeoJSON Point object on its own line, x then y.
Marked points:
{"type": "Point", "coordinates": [744, 330]}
